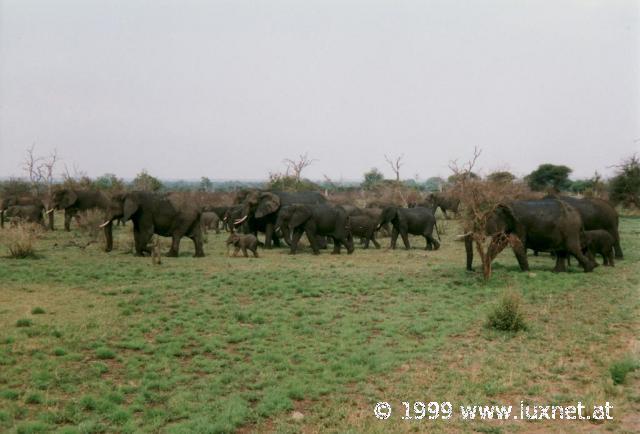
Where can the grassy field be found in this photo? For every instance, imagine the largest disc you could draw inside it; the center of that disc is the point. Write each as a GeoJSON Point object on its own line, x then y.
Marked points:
{"type": "Point", "coordinates": [94, 342]}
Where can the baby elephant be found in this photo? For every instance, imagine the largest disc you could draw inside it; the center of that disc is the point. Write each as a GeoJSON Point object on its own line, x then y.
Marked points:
{"type": "Point", "coordinates": [599, 242]}
{"type": "Point", "coordinates": [244, 242]}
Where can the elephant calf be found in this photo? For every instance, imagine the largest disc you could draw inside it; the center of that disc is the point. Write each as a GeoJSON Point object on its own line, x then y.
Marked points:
{"type": "Point", "coordinates": [599, 242]}
{"type": "Point", "coordinates": [364, 226]}
{"type": "Point", "coordinates": [243, 242]}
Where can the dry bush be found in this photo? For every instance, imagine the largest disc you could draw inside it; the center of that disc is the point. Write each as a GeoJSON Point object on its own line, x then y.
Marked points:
{"type": "Point", "coordinates": [89, 224]}
{"type": "Point", "coordinates": [21, 239]}
{"type": "Point", "coordinates": [480, 198]}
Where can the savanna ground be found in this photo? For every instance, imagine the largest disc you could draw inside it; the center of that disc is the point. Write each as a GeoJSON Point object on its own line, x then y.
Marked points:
{"type": "Point", "coordinates": [95, 342]}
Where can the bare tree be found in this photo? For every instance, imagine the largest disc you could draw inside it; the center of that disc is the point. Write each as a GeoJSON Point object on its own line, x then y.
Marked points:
{"type": "Point", "coordinates": [40, 169]}
{"type": "Point", "coordinates": [297, 166]}
{"type": "Point", "coordinates": [480, 199]}
{"type": "Point", "coordinates": [395, 165]}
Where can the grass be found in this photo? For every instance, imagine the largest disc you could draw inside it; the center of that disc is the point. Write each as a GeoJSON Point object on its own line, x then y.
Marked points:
{"type": "Point", "coordinates": [220, 344]}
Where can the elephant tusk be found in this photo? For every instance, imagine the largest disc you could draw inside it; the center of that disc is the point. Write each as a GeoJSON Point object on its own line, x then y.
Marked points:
{"type": "Point", "coordinates": [237, 222]}
{"type": "Point", "coordinates": [49, 211]}
{"type": "Point", "coordinates": [104, 224]}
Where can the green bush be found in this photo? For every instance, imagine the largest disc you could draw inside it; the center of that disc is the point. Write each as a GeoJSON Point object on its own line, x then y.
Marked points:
{"type": "Point", "coordinates": [507, 315]}
{"type": "Point", "coordinates": [24, 322]}
{"type": "Point", "coordinates": [37, 311]}
{"type": "Point", "coordinates": [621, 368]}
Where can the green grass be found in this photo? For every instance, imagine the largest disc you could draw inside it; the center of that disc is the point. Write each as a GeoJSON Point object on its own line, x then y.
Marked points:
{"type": "Point", "coordinates": [217, 344]}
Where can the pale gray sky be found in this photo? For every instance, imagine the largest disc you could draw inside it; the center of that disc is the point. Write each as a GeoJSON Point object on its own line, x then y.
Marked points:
{"type": "Point", "coordinates": [227, 89]}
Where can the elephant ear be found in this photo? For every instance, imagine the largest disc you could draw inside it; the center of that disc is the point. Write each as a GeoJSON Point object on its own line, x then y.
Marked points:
{"type": "Point", "coordinates": [268, 203]}
{"type": "Point", "coordinates": [509, 218]}
{"type": "Point", "coordinates": [299, 216]}
{"type": "Point", "coordinates": [68, 199]}
{"type": "Point", "coordinates": [130, 207]}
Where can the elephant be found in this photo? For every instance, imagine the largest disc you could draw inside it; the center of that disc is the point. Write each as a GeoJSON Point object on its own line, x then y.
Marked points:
{"type": "Point", "coordinates": [26, 213]}
{"type": "Point", "coordinates": [243, 242]}
{"type": "Point", "coordinates": [364, 226]}
{"type": "Point", "coordinates": [14, 200]}
{"type": "Point", "coordinates": [599, 242]}
{"type": "Point", "coordinates": [597, 214]}
{"type": "Point", "coordinates": [220, 211]}
{"type": "Point", "coordinates": [443, 201]}
{"type": "Point", "coordinates": [317, 221]}
{"type": "Point", "coordinates": [415, 221]}
{"type": "Point", "coordinates": [153, 213]}
{"type": "Point", "coordinates": [260, 209]}
{"type": "Point", "coordinates": [210, 220]}
{"type": "Point", "coordinates": [74, 201]}
{"type": "Point", "coordinates": [544, 225]}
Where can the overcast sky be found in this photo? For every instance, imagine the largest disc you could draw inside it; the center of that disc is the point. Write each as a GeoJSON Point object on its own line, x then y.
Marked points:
{"type": "Point", "coordinates": [227, 89]}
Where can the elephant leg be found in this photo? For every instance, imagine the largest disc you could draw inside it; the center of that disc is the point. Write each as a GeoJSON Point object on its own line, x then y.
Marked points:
{"type": "Point", "coordinates": [374, 241]}
{"type": "Point", "coordinates": [394, 237]}
{"type": "Point", "coordinates": [519, 251]}
{"type": "Point", "coordinates": [561, 265]}
{"type": "Point", "coordinates": [198, 245]}
{"type": "Point", "coordinates": [108, 236]}
{"type": "Point", "coordinates": [142, 237]}
{"type": "Point", "coordinates": [610, 256]}
{"type": "Point", "coordinates": [313, 240]}
{"type": "Point", "coordinates": [616, 246]}
{"type": "Point", "coordinates": [574, 248]}
{"type": "Point", "coordinates": [294, 241]}
{"type": "Point", "coordinates": [244, 252]}
{"type": "Point", "coordinates": [432, 241]}
{"type": "Point", "coordinates": [366, 242]}
{"type": "Point", "coordinates": [336, 246]}
{"type": "Point", "coordinates": [276, 240]}
{"type": "Point", "coordinates": [67, 220]}
{"type": "Point", "coordinates": [175, 246]}
{"type": "Point", "coordinates": [2, 219]}
{"type": "Point", "coordinates": [268, 235]}
{"type": "Point", "coordinates": [468, 247]}
{"type": "Point", "coordinates": [405, 238]}
{"type": "Point", "coordinates": [51, 225]}
{"type": "Point", "coordinates": [444, 211]}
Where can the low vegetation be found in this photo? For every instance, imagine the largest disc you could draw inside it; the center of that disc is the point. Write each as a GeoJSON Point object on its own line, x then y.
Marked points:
{"type": "Point", "coordinates": [303, 343]}
{"type": "Point", "coordinates": [21, 239]}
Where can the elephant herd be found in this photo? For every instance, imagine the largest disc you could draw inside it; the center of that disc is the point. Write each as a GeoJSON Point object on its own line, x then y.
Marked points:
{"type": "Point", "coordinates": [562, 226]}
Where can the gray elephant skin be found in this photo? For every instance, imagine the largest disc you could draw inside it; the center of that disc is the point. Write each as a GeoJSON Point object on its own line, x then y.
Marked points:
{"type": "Point", "coordinates": [317, 221]}
{"type": "Point", "coordinates": [414, 221]}
{"type": "Point", "coordinates": [261, 208]}
{"type": "Point", "coordinates": [75, 201]}
{"type": "Point", "coordinates": [153, 213]}
{"type": "Point", "coordinates": [545, 225]}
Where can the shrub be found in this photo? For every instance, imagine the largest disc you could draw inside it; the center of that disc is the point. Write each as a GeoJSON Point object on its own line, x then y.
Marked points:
{"type": "Point", "coordinates": [507, 315]}
{"type": "Point", "coordinates": [105, 353]}
{"type": "Point", "coordinates": [21, 240]}
{"type": "Point", "coordinates": [621, 368]}
{"type": "Point", "coordinates": [37, 311]}
{"type": "Point", "coordinates": [24, 322]}
{"type": "Point", "coordinates": [89, 223]}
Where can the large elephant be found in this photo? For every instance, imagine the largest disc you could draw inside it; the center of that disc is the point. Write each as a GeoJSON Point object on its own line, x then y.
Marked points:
{"type": "Point", "coordinates": [443, 201]}
{"type": "Point", "coordinates": [153, 213]}
{"type": "Point", "coordinates": [316, 221]}
{"type": "Point", "coordinates": [414, 221]}
{"type": "Point", "coordinates": [597, 214]}
{"type": "Point", "coordinates": [75, 201]}
{"type": "Point", "coordinates": [260, 209]}
{"type": "Point", "coordinates": [15, 200]}
{"type": "Point", "coordinates": [545, 225]}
